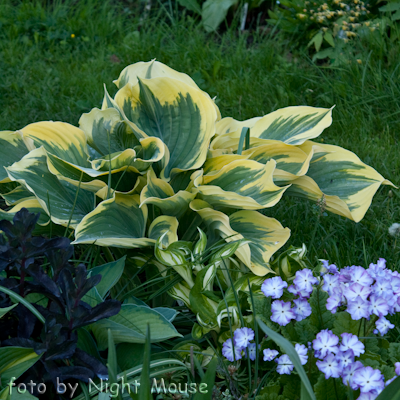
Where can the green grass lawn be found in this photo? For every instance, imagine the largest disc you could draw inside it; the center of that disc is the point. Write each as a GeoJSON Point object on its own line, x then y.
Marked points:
{"type": "Point", "coordinates": [47, 74]}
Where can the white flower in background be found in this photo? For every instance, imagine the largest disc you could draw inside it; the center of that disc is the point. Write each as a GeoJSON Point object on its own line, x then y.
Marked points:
{"type": "Point", "coordinates": [394, 230]}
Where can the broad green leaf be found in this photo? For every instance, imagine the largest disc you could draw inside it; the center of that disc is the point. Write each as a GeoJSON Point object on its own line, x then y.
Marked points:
{"type": "Point", "coordinates": [118, 222]}
{"type": "Point", "coordinates": [110, 274]}
{"type": "Point", "coordinates": [291, 352]}
{"type": "Point", "coordinates": [182, 116]}
{"type": "Point", "coordinates": [229, 124]}
{"type": "Point", "coordinates": [265, 235]}
{"type": "Point", "coordinates": [56, 197]}
{"type": "Point", "coordinates": [201, 305]}
{"type": "Point", "coordinates": [164, 225]}
{"type": "Point", "coordinates": [316, 41]}
{"type": "Point", "coordinates": [15, 196]}
{"type": "Point", "coordinates": [242, 184]}
{"type": "Point", "coordinates": [155, 69]}
{"type": "Point", "coordinates": [344, 323]}
{"type": "Point", "coordinates": [5, 310]}
{"type": "Point", "coordinates": [148, 70]}
{"type": "Point", "coordinates": [130, 325]}
{"type": "Point", "coordinates": [14, 361]}
{"type": "Point", "coordinates": [293, 125]}
{"type": "Point", "coordinates": [106, 131]}
{"type": "Point", "coordinates": [217, 162]}
{"type": "Point", "coordinates": [329, 38]}
{"type": "Point", "coordinates": [214, 12]}
{"type": "Point", "coordinates": [288, 158]}
{"type": "Point", "coordinates": [59, 138]}
{"type": "Point", "coordinates": [12, 149]}
{"type": "Point", "coordinates": [161, 194]}
{"type": "Point", "coordinates": [328, 389]}
{"type": "Point", "coordinates": [320, 317]}
{"type": "Point", "coordinates": [343, 180]}
{"type": "Point", "coordinates": [191, 5]}
{"type": "Point", "coordinates": [32, 205]}
{"type": "Point", "coordinates": [391, 6]}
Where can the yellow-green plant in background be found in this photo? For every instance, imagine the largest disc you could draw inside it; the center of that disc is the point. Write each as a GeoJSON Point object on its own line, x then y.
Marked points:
{"type": "Point", "coordinates": [157, 161]}
{"type": "Point", "coordinates": [327, 25]}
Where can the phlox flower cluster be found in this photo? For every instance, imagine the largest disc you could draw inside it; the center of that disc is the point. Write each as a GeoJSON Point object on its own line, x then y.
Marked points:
{"type": "Point", "coordinates": [241, 344]}
{"type": "Point", "coordinates": [364, 292]}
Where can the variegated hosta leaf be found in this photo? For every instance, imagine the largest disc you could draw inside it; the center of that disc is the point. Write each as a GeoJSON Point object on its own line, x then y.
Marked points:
{"type": "Point", "coordinates": [15, 196]}
{"type": "Point", "coordinates": [148, 70]}
{"type": "Point", "coordinates": [263, 236]}
{"type": "Point", "coordinates": [293, 125]}
{"type": "Point", "coordinates": [217, 162]}
{"type": "Point", "coordinates": [288, 158]}
{"type": "Point", "coordinates": [154, 69]}
{"type": "Point", "coordinates": [164, 226]}
{"type": "Point", "coordinates": [181, 292]}
{"type": "Point", "coordinates": [107, 132]}
{"type": "Point", "coordinates": [201, 305]}
{"type": "Point", "coordinates": [229, 124]}
{"type": "Point", "coordinates": [161, 194]}
{"type": "Point", "coordinates": [346, 184]}
{"type": "Point", "coordinates": [58, 198]}
{"type": "Point", "coordinates": [32, 205]}
{"type": "Point", "coordinates": [118, 222]}
{"type": "Point", "coordinates": [59, 138]}
{"type": "Point", "coordinates": [182, 116]}
{"type": "Point", "coordinates": [242, 184]}
{"type": "Point", "coordinates": [12, 149]}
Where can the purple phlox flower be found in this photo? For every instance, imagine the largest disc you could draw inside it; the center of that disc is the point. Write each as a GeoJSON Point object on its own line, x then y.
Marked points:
{"type": "Point", "coordinates": [329, 366]}
{"type": "Point", "coordinates": [334, 301]}
{"type": "Point", "coordinates": [378, 269]}
{"type": "Point", "coordinates": [243, 336]}
{"type": "Point", "coordinates": [368, 379]}
{"type": "Point", "coordinates": [382, 288]}
{"type": "Point", "coordinates": [330, 283]}
{"type": "Point", "coordinates": [301, 293]}
{"type": "Point", "coordinates": [383, 325]}
{"type": "Point", "coordinates": [351, 342]}
{"type": "Point", "coordinates": [344, 274]}
{"type": "Point", "coordinates": [389, 381]}
{"type": "Point", "coordinates": [285, 366]}
{"type": "Point", "coordinates": [331, 268]}
{"type": "Point", "coordinates": [367, 396]}
{"type": "Point", "coordinates": [359, 275]}
{"type": "Point", "coordinates": [302, 352]}
{"type": "Point", "coordinates": [282, 313]}
{"type": "Point", "coordinates": [251, 351]}
{"type": "Point", "coordinates": [378, 306]}
{"type": "Point", "coordinates": [344, 358]}
{"type": "Point", "coordinates": [348, 374]}
{"type": "Point", "coordinates": [305, 280]}
{"type": "Point", "coordinates": [397, 366]}
{"type": "Point", "coordinates": [227, 351]}
{"type": "Point", "coordinates": [302, 309]}
{"type": "Point", "coordinates": [273, 287]}
{"type": "Point", "coordinates": [395, 283]}
{"type": "Point", "coordinates": [393, 303]}
{"type": "Point", "coordinates": [326, 342]}
{"type": "Point", "coordinates": [269, 354]}
{"type": "Point", "coordinates": [358, 309]}
{"type": "Point", "coordinates": [356, 290]}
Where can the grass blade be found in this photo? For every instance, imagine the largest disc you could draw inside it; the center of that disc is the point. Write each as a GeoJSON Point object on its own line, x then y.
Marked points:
{"type": "Point", "coordinates": [391, 392]}
{"type": "Point", "coordinates": [208, 381]}
{"type": "Point", "coordinates": [21, 300]}
{"type": "Point", "coordinates": [292, 353]}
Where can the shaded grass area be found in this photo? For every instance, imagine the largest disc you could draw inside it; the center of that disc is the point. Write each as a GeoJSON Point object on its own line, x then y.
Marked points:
{"type": "Point", "coordinates": [47, 74]}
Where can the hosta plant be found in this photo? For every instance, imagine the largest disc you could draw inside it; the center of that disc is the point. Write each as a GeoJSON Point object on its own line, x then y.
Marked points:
{"type": "Point", "coordinates": [157, 161]}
